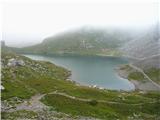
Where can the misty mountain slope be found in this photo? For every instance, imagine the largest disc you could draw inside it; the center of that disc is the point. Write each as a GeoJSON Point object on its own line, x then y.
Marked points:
{"type": "Point", "coordinates": [150, 62]}
{"type": "Point", "coordinates": [144, 46]}
{"type": "Point", "coordinates": [87, 41]}
{"type": "Point", "coordinates": [146, 49]}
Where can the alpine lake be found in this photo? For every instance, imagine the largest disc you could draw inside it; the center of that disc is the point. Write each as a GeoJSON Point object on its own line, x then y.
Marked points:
{"type": "Point", "coordinates": [98, 71]}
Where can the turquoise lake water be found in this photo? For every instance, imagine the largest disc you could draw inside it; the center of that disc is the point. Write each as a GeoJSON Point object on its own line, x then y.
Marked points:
{"type": "Point", "coordinates": [91, 70]}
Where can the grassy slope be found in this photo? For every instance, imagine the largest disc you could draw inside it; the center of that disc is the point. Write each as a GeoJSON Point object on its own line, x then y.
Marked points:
{"type": "Point", "coordinates": [153, 73]}
{"type": "Point", "coordinates": [44, 77]}
{"type": "Point", "coordinates": [104, 110]}
{"type": "Point", "coordinates": [35, 76]}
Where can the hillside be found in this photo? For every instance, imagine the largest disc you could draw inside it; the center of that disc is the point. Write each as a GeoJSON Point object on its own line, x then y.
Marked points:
{"type": "Point", "coordinates": [19, 72]}
{"type": "Point", "coordinates": [85, 41]}
{"type": "Point", "coordinates": [36, 90]}
{"type": "Point", "coordinates": [146, 45]}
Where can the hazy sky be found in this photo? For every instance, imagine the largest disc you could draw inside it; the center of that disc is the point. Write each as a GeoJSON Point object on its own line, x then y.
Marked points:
{"type": "Point", "coordinates": [31, 21]}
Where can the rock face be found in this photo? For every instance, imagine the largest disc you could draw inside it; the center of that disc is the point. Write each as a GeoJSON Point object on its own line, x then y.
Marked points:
{"type": "Point", "coordinates": [150, 62]}
{"type": "Point", "coordinates": [15, 62]}
{"type": "Point", "coordinates": [145, 45]}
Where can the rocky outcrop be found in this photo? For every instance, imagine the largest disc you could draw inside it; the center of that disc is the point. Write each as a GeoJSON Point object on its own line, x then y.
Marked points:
{"type": "Point", "coordinates": [15, 62]}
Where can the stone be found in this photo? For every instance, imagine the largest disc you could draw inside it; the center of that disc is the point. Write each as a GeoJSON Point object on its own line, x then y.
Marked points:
{"type": "Point", "coordinates": [15, 62]}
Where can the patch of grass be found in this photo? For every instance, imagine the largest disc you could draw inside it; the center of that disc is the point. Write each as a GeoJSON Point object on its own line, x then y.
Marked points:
{"type": "Point", "coordinates": [16, 89]}
{"type": "Point", "coordinates": [154, 74]}
{"type": "Point", "coordinates": [75, 107]}
{"type": "Point", "coordinates": [108, 95]}
{"type": "Point", "coordinates": [136, 76]}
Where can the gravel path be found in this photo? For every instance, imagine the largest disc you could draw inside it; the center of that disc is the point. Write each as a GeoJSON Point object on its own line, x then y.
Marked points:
{"type": "Point", "coordinates": [33, 104]}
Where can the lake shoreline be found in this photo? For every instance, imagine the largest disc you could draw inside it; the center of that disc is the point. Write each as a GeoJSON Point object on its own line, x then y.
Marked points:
{"type": "Point", "coordinates": [139, 85]}
{"type": "Point", "coordinates": [124, 75]}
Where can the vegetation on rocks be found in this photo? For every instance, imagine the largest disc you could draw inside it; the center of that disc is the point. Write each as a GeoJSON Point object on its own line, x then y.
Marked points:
{"type": "Point", "coordinates": [146, 80]}
{"type": "Point", "coordinates": [22, 114]}
{"type": "Point", "coordinates": [152, 73]}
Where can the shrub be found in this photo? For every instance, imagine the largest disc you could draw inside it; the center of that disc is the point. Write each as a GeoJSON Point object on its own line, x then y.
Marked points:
{"type": "Point", "coordinates": [93, 102]}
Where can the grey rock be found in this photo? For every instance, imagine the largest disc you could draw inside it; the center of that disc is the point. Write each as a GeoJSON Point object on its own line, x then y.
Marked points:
{"type": "Point", "coordinates": [15, 62]}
